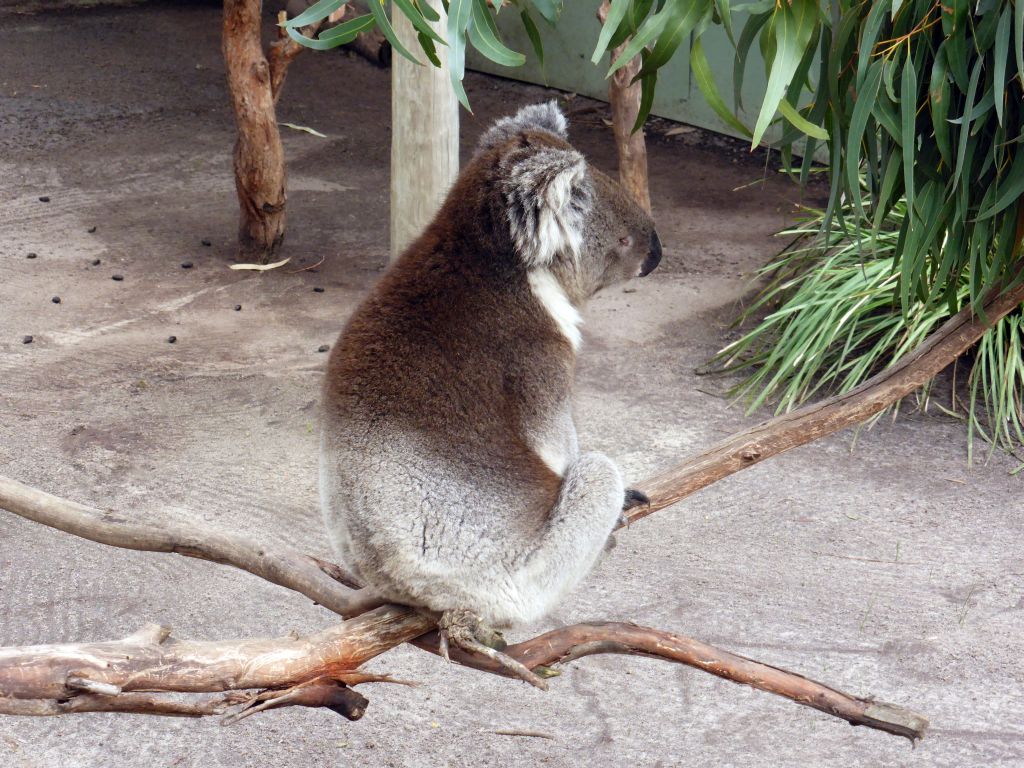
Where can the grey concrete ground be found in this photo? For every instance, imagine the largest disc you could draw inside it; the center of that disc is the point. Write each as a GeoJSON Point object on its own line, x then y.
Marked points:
{"type": "Point", "coordinates": [890, 569]}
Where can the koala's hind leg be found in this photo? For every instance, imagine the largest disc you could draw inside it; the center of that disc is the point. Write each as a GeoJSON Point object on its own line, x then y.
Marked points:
{"type": "Point", "coordinates": [589, 508]}
{"type": "Point", "coordinates": [464, 629]}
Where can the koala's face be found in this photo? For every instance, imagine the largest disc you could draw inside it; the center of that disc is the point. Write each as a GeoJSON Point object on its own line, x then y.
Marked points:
{"type": "Point", "coordinates": [563, 215]}
{"type": "Point", "coordinates": [619, 241]}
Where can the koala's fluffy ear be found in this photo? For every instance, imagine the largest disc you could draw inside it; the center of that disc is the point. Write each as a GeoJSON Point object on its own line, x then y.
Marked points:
{"type": "Point", "coordinates": [536, 117]}
{"type": "Point", "coordinates": [548, 195]}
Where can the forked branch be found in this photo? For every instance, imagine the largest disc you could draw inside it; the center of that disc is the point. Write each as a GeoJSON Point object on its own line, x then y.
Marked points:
{"type": "Point", "coordinates": [142, 672]}
{"type": "Point", "coordinates": [122, 675]}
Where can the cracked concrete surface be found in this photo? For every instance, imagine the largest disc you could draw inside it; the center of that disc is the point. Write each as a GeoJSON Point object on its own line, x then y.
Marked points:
{"type": "Point", "coordinates": [891, 569]}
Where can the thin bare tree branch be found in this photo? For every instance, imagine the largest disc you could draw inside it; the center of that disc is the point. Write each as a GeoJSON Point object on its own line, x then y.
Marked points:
{"type": "Point", "coordinates": [173, 705]}
{"type": "Point", "coordinates": [273, 562]}
{"type": "Point", "coordinates": [569, 643]}
{"type": "Point", "coordinates": [807, 424]}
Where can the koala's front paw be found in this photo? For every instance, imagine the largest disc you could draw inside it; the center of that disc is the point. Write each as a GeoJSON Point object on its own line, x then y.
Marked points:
{"type": "Point", "coordinates": [635, 498]}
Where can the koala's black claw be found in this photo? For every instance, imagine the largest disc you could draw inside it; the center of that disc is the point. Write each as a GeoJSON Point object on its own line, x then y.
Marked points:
{"type": "Point", "coordinates": [635, 498]}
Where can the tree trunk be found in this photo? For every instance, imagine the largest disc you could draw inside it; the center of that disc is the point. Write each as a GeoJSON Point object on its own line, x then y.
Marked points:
{"type": "Point", "coordinates": [624, 99]}
{"type": "Point", "coordinates": [424, 136]}
{"type": "Point", "coordinates": [259, 157]}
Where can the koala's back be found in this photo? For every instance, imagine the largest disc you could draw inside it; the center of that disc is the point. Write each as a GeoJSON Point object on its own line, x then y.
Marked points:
{"type": "Point", "coordinates": [426, 469]}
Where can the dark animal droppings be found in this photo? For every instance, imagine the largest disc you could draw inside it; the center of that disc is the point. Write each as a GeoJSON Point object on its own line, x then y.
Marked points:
{"type": "Point", "coordinates": [55, 299]}
{"type": "Point", "coordinates": [119, 278]}
{"type": "Point", "coordinates": [95, 262]}
{"type": "Point", "coordinates": [238, 307]}
{"type": "Point", "coordinates": [318, 289]}
{"type": "Point", "coordinates": [186, 265]}
{"type": "Point", "coordinates": [207, 243]}
{"type": "Point", "coordinates": [323, 348]}
{"type": "Point", "coordinates": [91, 230]}
{"type": "Point", "coordinates": [44, 199]}
{"type": "Point", "coordinates": [30, 255]}
{"type": "Point", "coordinates": [26, 340]}
{"type": "Point", "coordinates": [171, 339]}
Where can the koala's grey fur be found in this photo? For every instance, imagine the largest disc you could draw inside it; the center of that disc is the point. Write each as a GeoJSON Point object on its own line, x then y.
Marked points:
{"type": "Point", "coordinates": [450, 472]}
{"type": "Point", "coordinates": [536, 117]}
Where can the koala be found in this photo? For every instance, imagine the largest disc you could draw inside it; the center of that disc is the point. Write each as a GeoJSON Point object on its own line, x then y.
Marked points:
{"type": "Point", "coordinates": [451, 479]}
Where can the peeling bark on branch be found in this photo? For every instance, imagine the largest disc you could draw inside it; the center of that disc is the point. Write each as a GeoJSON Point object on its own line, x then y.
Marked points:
{"type": "Point", "coordinates": [156, 662]}
{"type": "Point", "coordinates": [35, 680]}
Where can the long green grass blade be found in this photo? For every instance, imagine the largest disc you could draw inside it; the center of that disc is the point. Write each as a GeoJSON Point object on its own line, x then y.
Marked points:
{"type": "Point", "coordinates": [1000, 51]}
{"type": "Point", "coordinates": [750, 31]}
{"type": "Point", "coordinates": [790, 112]}
{"type": "Point", "coordinates": [384, 25]}
{"type": "Point", "coordinates": [938, 103]}
{"type": "Point", "coordinates": [1010, 189]}
{"type": "Point", "coordinates": [908, 111]}
{"type": "Point", "coordinates": [648, 31]}
{"type": "Point", "coordinates": [343, 33]}
{"type": "Point", "coordinates": [683, 16]}
{"type": "Point", "coordinates": [534, 34]}
{"type": "Point", "coordinates": [419, 22]}
{"type": "Point", "coordinates": [551, 10]}
{"type": "Point", "coordinates": [1018, 37]}
{"type": "Point", "coordinates": [615, 17]}
{"type": "Point", "coordinates": [858, 123]}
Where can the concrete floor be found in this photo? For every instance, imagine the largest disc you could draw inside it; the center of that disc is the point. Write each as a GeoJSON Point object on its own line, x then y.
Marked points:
{"type": "Point", "coordinates": [891, 569]}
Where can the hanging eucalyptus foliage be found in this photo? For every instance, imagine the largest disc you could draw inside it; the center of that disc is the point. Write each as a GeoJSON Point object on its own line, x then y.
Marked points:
{"type": "Point", "coordinates": [921, 99]}
{"type": "Point", "coordinates": [917, 105]}
{"type": "Point", "coordinates": [469, 22]}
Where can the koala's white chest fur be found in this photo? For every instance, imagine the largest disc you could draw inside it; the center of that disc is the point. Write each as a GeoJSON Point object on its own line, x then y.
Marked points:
{"type": "Point", "coordinates": [552, 297]}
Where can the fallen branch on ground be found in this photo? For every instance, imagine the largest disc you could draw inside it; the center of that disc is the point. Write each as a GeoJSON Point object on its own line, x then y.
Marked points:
{"type": "Point", "coordinates": [143, 672]}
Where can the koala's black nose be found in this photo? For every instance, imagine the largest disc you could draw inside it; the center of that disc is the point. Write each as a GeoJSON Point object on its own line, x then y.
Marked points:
{"type": "Point", "coordinates": [653, 258]}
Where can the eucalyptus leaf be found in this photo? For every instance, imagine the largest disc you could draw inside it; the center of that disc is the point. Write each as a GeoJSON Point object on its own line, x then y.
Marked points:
{"type": "Point", "coordinates": [316, 12]}
{"type": "Point", "coordinates": [791, 27]}
{"type": "Point", "coordinates": [483, 34]}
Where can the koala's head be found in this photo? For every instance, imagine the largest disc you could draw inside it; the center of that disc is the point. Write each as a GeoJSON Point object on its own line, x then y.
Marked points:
{"type": "Point", "coordinates": [563, 215]}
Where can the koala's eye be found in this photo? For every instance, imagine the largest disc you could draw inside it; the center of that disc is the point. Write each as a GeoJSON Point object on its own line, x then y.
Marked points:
{"type": "Point", "coordinates": [627, 241]}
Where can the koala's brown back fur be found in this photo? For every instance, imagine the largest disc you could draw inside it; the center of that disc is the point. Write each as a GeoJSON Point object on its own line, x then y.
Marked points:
{"type": "Point", "coordinates": [450, 340]}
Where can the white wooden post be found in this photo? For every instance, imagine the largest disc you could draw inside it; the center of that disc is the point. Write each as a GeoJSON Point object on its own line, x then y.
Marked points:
{"type": "Point", "coordinates": [424, 135]}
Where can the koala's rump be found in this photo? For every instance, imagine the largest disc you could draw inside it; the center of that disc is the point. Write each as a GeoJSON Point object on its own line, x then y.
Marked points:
{"type": "Point", "coordinates": [430, 527]}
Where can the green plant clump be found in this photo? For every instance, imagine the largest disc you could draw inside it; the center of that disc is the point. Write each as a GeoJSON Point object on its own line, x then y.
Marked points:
{"type": "Point", "coordinates": [830, 318]}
